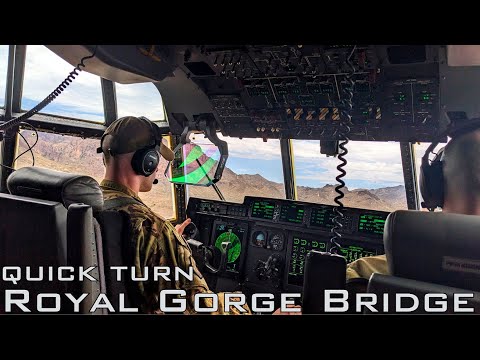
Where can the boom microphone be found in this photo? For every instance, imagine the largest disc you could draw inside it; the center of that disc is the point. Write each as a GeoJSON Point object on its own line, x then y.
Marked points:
{"type": "Point", "coordinates": [155, 181]}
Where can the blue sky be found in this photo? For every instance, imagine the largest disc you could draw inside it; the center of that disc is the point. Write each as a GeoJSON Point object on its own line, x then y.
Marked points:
{"type": "Point", "coordinates": [270, 169]}
{"type": "Point", "coordinates": [370, 165]}
{"type": "Point", "coordinates": [55, 108]}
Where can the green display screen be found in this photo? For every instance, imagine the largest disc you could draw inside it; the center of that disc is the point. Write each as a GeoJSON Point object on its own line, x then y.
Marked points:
{"type": "Point", "coordinates": [322, 217]}
{"type": "Point", "coordinates": [371, 224]}
{"type": "Point", "coordinates": [234, 234]}
{"type": "Point", "coordinates": [292, 213]}
{"type": "Point", "coordinates": [300, 246]}
{"type": "Point", "coordinates": [352, 252]}
{"type": "Point", "coordinates": [263, 209]}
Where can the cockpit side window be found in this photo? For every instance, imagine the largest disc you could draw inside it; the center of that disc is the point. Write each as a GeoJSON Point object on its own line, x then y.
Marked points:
{"type": "Point", "coordinates": [44, 71]}
{"type": "Point", "coordinates": [77, 155]}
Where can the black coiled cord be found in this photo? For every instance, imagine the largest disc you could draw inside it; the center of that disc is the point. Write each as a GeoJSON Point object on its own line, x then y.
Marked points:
{"type": "Point", "coordinates": [344, 131]}
{"type": "Point", "coordinates": [65, 83]}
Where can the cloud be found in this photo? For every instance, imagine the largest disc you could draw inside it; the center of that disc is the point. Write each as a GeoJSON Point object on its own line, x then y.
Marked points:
{"type": "Point", "coordinates": [246, 148]}
{"type": "Point", "coordinates": [372, 173]}
{"type": "Point", "coordinates": [357, 150]}
{"type": "Point", "coordinates": [140, 100]}
{"type": "Point", "coordinates": [253, 148]}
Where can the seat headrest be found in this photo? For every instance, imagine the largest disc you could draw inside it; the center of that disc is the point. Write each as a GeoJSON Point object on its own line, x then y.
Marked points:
{"type": "Point", "coordinates": [434, 247]}
{"type": "Point", "coordinates": [65, 188]}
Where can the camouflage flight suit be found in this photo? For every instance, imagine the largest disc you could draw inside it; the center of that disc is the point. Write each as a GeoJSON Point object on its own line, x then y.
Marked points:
{"type": "Point", "coordinates": [358, 275]}
{"type": "Point", "coordinates": [159, 244]}
{"type": "Point", "coordinates": [366, 266]}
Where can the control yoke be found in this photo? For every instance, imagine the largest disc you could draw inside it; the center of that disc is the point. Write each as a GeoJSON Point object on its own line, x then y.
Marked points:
{"type": "Point", "coordinates": [206, 253]}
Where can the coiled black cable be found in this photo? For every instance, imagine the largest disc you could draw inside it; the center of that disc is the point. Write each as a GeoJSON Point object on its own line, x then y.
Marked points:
{"type": "Point", "coordinates": [344, 131]}
{"type": "Point", "coordinates": [29, 147]}
{"type": "Point", "coordinates": [64, 84]}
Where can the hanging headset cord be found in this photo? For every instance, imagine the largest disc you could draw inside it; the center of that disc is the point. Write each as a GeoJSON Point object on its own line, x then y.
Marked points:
{"type": "Point", "coordinates": [60, 88]}
{"type": "Point", "coordinates": [29, 147]}
{"type": "Point", "coordinates": [344, 131]}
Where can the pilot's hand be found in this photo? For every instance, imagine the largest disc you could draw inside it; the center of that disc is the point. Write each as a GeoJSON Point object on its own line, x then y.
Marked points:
{"type": "Point", "coordinates": [279, 312]}
{"type": "Point", "coordinates": [181, 227]}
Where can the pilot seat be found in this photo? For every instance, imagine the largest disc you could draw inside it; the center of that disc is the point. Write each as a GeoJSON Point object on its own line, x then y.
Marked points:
{"type": "Point", "coordinates": [52, 219]}
{"type": "Point", "coordinates": [430, 253]}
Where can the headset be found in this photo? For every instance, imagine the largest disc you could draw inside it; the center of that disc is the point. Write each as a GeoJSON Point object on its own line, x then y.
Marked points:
{"type": "Point", "coordinates": [431, 172]}
{"type": "Point", "coordinates": [145, 160]}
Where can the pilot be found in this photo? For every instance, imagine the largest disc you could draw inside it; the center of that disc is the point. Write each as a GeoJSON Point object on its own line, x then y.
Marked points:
{"type": "Point", "coordinates": [461, 173]}
{"type": "Point", "coordinates": [132, 148]}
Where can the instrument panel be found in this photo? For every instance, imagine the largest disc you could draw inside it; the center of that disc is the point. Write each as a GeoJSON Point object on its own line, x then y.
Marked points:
{"type": "Point", "coordinates": [404, 93]}
{"type": "Point", "coordinates": [270, 238]}
{"type": "Point", "coordinates": [316, 216]}
{"type": "Point", "coordinates": [299, 91]}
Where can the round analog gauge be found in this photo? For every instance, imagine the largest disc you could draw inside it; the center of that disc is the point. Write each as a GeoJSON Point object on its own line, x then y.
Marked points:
{"type": "Point", "coordinates": [259, 238]}
{"type": "Point", "coordinates": [276, 242]}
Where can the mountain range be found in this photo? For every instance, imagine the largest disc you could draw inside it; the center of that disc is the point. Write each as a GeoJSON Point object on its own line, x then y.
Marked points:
{"type": "Point", "coordinates": [77, 155]}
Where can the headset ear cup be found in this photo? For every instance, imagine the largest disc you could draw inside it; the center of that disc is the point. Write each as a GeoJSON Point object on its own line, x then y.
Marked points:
{"type": "Point", "coordinates": [431, 184]}
{"type": "Point", "coordinates": [150, 162]}
{"type": "Point", "coordinates": [137, 161]}
{"type": "Point", "coordinates": [145, 161]}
